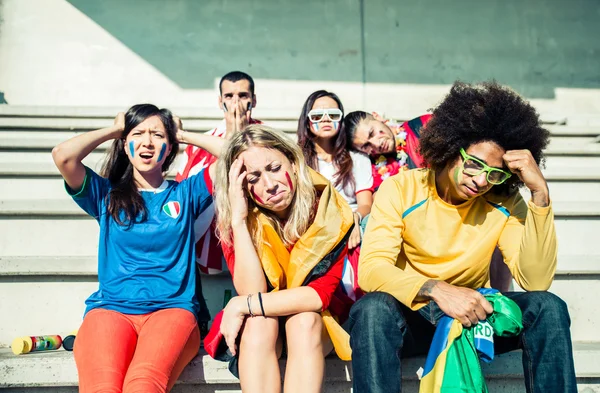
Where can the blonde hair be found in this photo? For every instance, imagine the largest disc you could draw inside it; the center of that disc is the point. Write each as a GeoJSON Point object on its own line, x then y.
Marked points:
{"type": "Point", "coordinates": [302, 206]}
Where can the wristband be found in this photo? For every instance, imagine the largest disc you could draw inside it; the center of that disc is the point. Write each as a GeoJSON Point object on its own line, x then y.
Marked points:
{"type": "Point", "coordinates": [249, 300]}
{"type": "Point", "coordinates": [262, 309]}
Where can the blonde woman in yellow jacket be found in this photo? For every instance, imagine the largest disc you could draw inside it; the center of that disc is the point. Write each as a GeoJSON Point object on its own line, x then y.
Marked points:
{"type": "Point", "coordinates": [284, 230]}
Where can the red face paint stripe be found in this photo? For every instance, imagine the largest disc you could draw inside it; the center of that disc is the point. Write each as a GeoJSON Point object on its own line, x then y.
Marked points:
{"type": "Point", "coordinates": [290, 184]}
{"type": "Point", "coordinates": [256, 198]}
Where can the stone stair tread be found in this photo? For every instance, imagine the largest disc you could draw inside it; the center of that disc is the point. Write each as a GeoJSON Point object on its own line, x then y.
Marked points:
{"type": "Point", "coordinates": [57, 368]}
{"type": "Point", "coordinates": [64, 206]}
{"type": "Point", "coordinates": [109, 113]}
{"type": "Point", "coordinates": [88, 266]}
{"type": "Point", "coordinates": [46, 140]}
{"type": "Point", "coordinates": [49, 170]}
{"type": "Point", "coordinates": [211, 112]}
{"type": "Point", "coordinates": [82, 124]}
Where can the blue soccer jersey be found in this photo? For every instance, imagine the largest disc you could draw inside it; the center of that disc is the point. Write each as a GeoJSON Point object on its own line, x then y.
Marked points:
{"type": "Point", "coordinates": [149, 265]}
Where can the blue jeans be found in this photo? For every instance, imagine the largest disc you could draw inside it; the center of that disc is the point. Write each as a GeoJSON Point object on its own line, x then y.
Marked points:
{"type": "Point", "coordinates": [382, 331]}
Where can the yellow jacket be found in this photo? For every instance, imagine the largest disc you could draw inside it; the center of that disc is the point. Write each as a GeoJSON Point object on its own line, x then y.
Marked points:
{"type": "Point", "coordinates": [413, 236]}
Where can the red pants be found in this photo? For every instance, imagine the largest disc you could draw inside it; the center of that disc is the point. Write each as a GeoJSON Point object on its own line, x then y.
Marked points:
{"type": "Point", "coordinates": [118, 352]}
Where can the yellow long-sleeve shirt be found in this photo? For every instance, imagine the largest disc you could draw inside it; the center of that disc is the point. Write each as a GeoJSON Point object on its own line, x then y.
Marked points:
{"type": "Point", "coordinates": [413, 236]}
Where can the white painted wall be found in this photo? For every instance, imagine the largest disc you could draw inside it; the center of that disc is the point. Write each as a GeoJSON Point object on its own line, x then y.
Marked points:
{"type": "Point", "coordinates": [52, 54]}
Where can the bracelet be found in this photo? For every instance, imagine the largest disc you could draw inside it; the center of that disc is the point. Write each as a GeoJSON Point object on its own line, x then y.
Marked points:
{"type": "Point", "coordinates": [262, 309]}
{"type": "Point", "coordinates": [249, 300]}
{"type": "Point", "coordinates": [360, 217]}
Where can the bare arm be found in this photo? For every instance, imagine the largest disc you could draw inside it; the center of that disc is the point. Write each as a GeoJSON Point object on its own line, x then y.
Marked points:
{"type": "Point", "coordinates": [280, 303]}
{"type": "Point", "coordinates": [68, 155]}
{"type": "Point", "coordinates": [212, 144]}
{"type": "Point", "coordinates": [248, 275]}
{"type": "Point", "coordinates": [530, 248]}
{"type": "Point", "coordinates": [364, 201]}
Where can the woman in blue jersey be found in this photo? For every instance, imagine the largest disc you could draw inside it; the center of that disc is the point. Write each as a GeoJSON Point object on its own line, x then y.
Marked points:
{"type": "Point", "coordinates": [139, 329]}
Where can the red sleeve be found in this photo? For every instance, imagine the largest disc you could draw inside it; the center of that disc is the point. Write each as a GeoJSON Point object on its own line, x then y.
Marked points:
{"type": "Point", "coordinates": [229, 254]}
{"type": "Point", "coordinates": [327, 284]}
{"type": "Point", "coordinates": [208, 180]}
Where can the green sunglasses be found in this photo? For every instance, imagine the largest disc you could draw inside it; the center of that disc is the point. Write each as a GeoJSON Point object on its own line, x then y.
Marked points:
{"type": "Point", "coordinates": [474, 167]}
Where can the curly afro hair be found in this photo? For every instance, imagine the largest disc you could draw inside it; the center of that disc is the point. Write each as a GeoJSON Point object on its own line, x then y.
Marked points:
{"type": "Point", "coordinates": [484, 112]}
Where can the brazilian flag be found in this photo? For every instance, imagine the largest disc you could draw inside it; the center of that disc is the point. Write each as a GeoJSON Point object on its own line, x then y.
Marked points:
{"type": "Point", "coordinates": [452, 364]}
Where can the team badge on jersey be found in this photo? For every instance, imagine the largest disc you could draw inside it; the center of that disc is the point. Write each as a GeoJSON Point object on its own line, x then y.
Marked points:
{"type": "Point", "coordinates": [172, 209]}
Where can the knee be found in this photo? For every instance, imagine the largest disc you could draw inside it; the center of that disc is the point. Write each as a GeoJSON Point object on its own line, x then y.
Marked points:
{"type": "Point", "coordinates": [260, 334]}
{"type": "Point", "coordinates": [304, 329]}
{"type": "Point", "coordinates": [377, 310]}
{"type": "Point", "coordinates": [548, 307]}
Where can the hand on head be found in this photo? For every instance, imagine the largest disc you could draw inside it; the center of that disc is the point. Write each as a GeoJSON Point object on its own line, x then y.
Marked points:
{"type": "Point", "coordinates": [522, 164]}
{"type": "Point", "coordinates": [119, 122]}
{"type": "Point", "coordinates": [237, 195]}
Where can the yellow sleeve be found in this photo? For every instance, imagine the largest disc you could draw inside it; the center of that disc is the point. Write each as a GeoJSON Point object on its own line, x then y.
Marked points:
{"type": "Point", "coordinates": [529, 246]}
{"type": "Point", "coordinates": [377, 270]}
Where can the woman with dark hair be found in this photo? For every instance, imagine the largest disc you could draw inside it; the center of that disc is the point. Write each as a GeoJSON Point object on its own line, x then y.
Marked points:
{"type": "Point", "coordinates": [284, 231]}
{"type": "Point", "coordinates": [139, 329]}
{"type": "Point", "coordinates": [325, 148]}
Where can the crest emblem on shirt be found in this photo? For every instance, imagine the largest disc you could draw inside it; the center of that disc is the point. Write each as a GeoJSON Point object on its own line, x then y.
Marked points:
{"type": "Point", "coordinates": [172, 209]}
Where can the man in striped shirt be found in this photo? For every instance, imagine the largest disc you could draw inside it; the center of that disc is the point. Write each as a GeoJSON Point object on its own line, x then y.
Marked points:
{"type": "Point", "coordinates": [236, 99]}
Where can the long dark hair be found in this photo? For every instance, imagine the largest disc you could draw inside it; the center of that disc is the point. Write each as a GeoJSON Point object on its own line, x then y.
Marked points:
{"type": "Point", "coordinates": [351, 122]}
{"type": "Point", "coordinates": [342, 160]}
{"type": "Point", "coordinates": [124, 195]}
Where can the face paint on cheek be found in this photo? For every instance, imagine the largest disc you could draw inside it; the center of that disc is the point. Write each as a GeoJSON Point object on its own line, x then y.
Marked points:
{"type": "Point", "coordinates": [457, 175]}
{"type": "Point", "coordinates": [256, 197]}
{"type": "Point", "coordinates": [315, 125]}
{"type": "Point", "coordinates": [290, 184]}
{"type": "Point", "coordinates": [131, 149]}
{"type": "Point", "coordinates": [336, 124]}
{"type": "Point", "coordinates": [163, 149]}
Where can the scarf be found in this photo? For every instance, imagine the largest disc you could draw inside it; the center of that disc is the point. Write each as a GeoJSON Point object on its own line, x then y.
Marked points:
{"type": "Point", "coordinates": [310, 258]}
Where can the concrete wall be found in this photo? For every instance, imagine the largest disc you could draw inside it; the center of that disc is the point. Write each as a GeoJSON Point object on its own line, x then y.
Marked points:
{"type": "Point", "coordinates": [119, 52]}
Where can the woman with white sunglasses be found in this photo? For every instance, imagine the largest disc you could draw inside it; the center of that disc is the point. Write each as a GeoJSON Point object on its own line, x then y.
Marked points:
{"type": "Point", "coordinates": [326, 150]}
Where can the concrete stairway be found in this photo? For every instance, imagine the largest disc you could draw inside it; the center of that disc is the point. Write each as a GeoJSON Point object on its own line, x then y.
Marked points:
{"type": "Point", "coordinates": [48, 250]}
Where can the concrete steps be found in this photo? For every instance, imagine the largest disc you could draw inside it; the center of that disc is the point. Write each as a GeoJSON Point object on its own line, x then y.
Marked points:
{"type": "Point", "coordinates": [57, 286]}
{"type": "Point", "coordinates": [36, 235]}
{"type": "Point", "coordinates": [40, 164]}
{"type": "Point", "coordinates": [48, 248]}
{"type": "Point", "coordinates": [56, 370]}
{"type": "Point", "coordinates": [64, 206]}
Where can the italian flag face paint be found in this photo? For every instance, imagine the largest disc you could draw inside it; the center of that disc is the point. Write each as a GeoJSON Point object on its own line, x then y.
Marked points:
{"type": "Point", "coordinates": [172, 209]}
{"type": "Point", "coordinates": [163, 149]}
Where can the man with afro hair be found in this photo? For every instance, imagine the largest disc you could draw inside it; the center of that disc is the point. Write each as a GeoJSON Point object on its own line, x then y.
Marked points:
{"type": "Point", "coordinates": [432, 232]}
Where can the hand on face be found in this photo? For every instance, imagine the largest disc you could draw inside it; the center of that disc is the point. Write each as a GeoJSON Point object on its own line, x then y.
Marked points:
{"type": "Point", "coordinates": [236, 102]}
{"type": "Point", "coordinates": [522, 163]}
{"type": "Point", "coordinates": [269, 177]}
{"type": "Point", "coordinates": [237, 115]}
{"type": "Point", "coordinates": [237, 195]}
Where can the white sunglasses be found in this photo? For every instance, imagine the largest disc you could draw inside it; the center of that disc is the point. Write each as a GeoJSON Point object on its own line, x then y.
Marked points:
{"type": "Point", "coordinates": [317, 115]}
